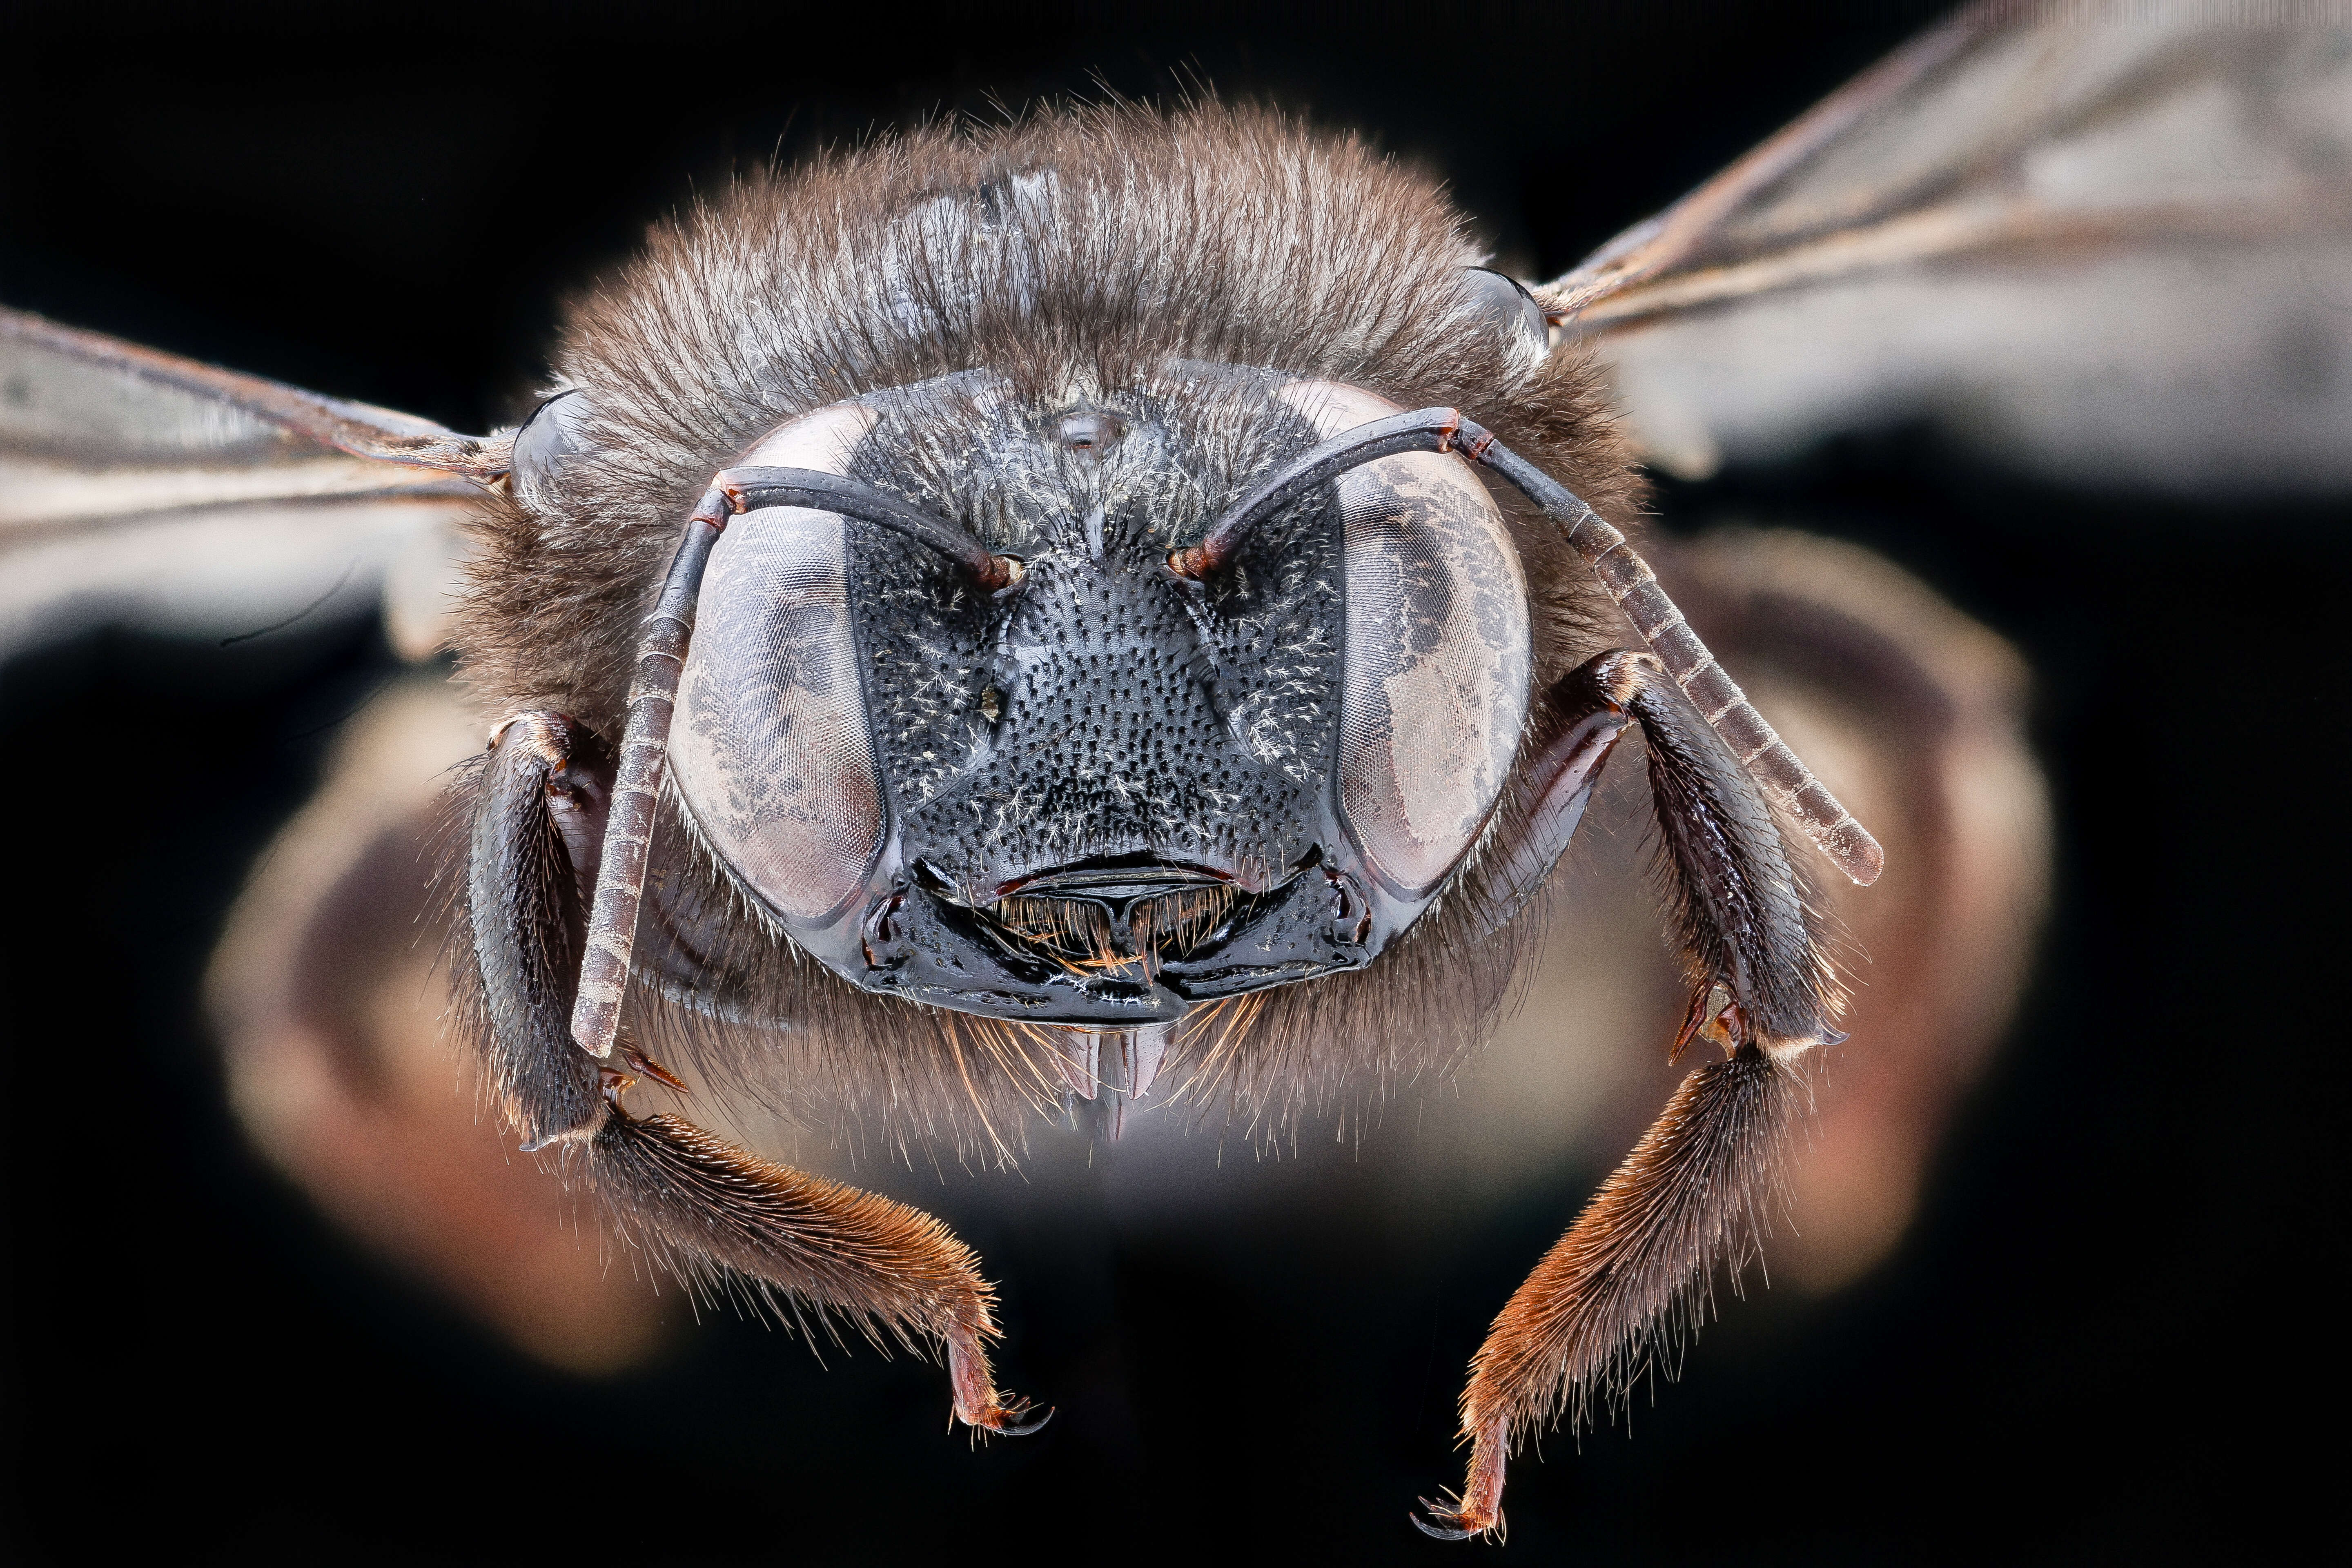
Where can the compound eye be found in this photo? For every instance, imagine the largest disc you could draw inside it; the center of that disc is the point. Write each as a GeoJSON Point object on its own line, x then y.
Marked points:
{"type": "Point", "coordinates": [556, 432]}
{"type": "Point", "coordinates": [1507, 310]}
{"type": "Point", "coordinates": [768, 745]}
{"type": "Point", "coordinates": [1436, 691]}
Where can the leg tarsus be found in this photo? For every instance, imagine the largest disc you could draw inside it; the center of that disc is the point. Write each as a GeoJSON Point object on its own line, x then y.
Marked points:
{"type": "Point", "coordinates": [1014, 1420]}
{"type": "Point", "coordinates": [977, 1403]}
{"type": "Point", "coordinates": [1478, 1510]}
{"type": "Point", "coordinates": [646, 1065]}
{"type": "Point", "coordinates": [695, 1200]}
{"type": "Point", "coordinates": [691, 1201]}
{"type": "Point", "coordinates": [1450, 1530]}
{"type": "Point", "coordinates": [1698, 1184]}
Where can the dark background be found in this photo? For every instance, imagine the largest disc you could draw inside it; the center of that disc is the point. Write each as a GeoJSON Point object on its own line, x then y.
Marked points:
{"type": "Point", "coordinates": [2108, 1336]}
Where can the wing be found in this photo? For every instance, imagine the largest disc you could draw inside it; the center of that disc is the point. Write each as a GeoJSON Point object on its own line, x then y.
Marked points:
{"type": "Point", "coordinates": [2107, 240]}
{"type": "Point", "coordinates": [137, 487]}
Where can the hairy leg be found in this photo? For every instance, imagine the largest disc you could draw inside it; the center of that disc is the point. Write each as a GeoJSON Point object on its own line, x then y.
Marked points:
{"type": "Point", "coordinates": [700, 1204]}
{"type": "Point", "coordinates": [1696, 1186]}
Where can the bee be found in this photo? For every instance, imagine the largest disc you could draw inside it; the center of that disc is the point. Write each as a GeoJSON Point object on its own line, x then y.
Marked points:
{"type": "Point", "coordinates": [1124, 595]}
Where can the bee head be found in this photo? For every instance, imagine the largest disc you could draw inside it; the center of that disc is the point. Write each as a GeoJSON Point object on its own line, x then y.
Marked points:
{"type": "Point", "coordinates": [1111, 791]}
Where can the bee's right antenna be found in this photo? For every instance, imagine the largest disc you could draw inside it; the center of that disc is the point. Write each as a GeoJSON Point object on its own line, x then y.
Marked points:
{"type": "Point", "coordinates": [653, 697]}
{"type": "Point", "coordinates": [751, 489]}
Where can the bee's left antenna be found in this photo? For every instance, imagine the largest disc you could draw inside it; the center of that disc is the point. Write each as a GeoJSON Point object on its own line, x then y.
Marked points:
{"type": "Point", "coordinates": [1631, 582]}
{"type": "Point", "coordinates": [1627, 577]}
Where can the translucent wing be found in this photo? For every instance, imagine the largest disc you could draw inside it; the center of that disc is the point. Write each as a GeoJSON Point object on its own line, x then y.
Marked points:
{"type": "Point", "coordinates": [141, 488]}
{"type": "Point", "coordinates": [2111, 241]}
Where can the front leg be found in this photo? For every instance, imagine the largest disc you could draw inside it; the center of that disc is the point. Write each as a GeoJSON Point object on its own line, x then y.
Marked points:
{"type": "Point", "coordinates": [1696, 1185]}
{"type": "Point", "coordinates": [696, 1203]}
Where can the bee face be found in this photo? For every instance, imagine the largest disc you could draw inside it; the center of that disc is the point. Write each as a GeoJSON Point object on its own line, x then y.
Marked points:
{"type": "Point", "coordinates": [1110, 791]}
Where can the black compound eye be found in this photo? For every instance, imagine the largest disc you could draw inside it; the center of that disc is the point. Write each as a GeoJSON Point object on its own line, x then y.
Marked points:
{"type": "Point", "coordinates": [770, 746]}
{"type": "Point", "coordinates": [1438, 652]}
{"type": "Point", "coordinates": [556, 432]}
{"type": "Point", "coordinates": [1507, 309]}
